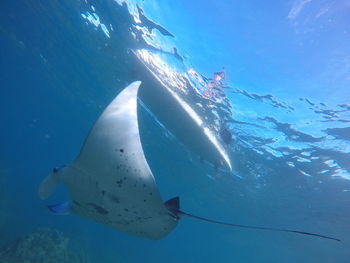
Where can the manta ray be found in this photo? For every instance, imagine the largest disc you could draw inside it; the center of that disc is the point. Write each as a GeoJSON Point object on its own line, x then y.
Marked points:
{"type": "Point", "coordinates": [110, 182]}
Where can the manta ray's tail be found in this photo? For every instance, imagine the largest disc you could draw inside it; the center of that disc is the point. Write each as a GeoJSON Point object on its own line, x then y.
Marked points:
{"type": "Point", "coordinates": [174, 206]}
{"type": "Point", "coordinates": [49, 184]}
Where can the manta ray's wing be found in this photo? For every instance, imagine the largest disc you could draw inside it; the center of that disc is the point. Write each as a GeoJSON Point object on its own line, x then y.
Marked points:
{"type": "Point", "coordinates": [116, 134]}
{"type": "Point", "coordinates": [110, 182]}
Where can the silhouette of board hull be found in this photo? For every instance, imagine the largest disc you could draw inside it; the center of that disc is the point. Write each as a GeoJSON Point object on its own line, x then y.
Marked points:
{"type": "Point", "coordinates": [176, 115]}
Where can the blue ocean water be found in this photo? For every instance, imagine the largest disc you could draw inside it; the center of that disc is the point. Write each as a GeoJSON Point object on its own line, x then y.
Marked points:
{"type": "Point", "coordinates": [286, 105]}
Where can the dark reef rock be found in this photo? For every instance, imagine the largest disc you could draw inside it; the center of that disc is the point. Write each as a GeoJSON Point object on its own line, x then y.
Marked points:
{"type": "Point", "coordinates": [43, 246]}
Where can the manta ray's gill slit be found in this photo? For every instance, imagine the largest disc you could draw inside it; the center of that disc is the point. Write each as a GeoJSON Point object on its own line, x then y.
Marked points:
{"type": "Point", "coordinates": [99, 209]}
{"type": "Point", "coordinates": [113, 198]}
{"type": "Point", "coordinates": [76, 203]}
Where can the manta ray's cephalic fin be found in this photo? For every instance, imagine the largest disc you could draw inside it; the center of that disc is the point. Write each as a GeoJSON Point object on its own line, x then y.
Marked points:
{"type": "Point", "coordinates": [49, 184]}
{"type": "Point", "coordinates": [60, 209]}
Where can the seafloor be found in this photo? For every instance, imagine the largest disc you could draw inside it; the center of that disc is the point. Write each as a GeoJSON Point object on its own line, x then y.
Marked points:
{"type": "Point", "coordinates": [43, 246]}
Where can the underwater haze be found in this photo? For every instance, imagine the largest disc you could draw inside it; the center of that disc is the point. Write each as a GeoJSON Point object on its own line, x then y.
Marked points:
{"type": "Point", "coordinates": [282, 114]}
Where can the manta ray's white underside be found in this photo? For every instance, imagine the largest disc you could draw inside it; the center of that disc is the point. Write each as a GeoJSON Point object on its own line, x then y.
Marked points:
{"type": "Point", "coordinates": [110, 182]}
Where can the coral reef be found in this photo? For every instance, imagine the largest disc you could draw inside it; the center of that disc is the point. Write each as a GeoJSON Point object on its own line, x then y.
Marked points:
{"type": "Point", "coordinates": [43, 246]}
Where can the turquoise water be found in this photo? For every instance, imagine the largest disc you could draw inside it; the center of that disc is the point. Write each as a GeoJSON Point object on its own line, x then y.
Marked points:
{"type": "Point", "coordinates": [287, 107]}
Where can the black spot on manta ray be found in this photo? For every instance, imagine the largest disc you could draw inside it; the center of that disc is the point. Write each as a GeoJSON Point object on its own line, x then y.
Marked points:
{"type": "Point", "coordinates": [120, 182]}
{"type": "Point", "coordinates": [99, 209]}
{"type": "Point", "coordinates": [121, 150]}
